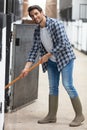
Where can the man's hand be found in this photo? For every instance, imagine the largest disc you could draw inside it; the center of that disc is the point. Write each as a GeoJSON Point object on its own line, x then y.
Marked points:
{"type": "Point", "coordinates": [45, 57]}
{"type": "Point", "coordinates": [25, 71]}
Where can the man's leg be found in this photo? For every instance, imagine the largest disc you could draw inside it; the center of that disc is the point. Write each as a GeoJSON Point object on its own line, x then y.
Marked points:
{"type": "Point", "coordinates": [67, 79]}
{"type": "Point", "coordinates": [53, 76]}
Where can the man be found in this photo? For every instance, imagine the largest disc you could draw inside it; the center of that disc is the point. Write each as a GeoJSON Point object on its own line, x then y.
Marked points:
{"type": "Point", "coordinates": [57, 57]}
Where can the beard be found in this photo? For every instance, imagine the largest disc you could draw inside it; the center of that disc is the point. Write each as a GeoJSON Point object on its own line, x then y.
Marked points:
{"type": "Point", "coordinates": [38, 22]}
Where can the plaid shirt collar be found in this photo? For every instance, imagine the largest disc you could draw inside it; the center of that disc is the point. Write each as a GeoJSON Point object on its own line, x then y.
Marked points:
{"type": "Point", "coordinates": [47, 22]}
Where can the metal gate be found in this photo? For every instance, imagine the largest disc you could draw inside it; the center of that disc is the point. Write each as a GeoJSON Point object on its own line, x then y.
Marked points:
{"type": "Point", "coordinates": [25, 90]}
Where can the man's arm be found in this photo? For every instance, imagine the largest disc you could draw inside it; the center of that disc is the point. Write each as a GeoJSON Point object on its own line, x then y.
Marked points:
{"type": "Point", "coordinates": [29, 64]}
{"type": "Point", "coordinates": [45, 57]}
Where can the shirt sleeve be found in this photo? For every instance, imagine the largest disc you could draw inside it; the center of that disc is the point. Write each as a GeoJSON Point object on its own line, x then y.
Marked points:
{"type": "Point", "coordinates": [34, 51]}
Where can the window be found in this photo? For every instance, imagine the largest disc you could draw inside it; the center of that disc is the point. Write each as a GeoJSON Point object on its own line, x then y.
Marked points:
{"type": "Point", "coordinates": [2, 6]}
{"type": "Point", "coordinates": [83, 11]}
{"type": "Point", "coordinates": [66, 14]}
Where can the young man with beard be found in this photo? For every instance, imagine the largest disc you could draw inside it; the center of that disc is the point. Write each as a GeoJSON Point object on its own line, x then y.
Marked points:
{"type": "Point", "coordinates": [57, 56]}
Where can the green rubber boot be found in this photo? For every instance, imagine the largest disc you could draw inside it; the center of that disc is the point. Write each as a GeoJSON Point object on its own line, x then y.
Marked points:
{"type": "Point", "coordinates": [51, 116]}
{"type": "Point", "coordinates": [79, 117]}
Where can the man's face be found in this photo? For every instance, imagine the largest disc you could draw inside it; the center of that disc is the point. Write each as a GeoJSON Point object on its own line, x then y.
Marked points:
{"type": "Point", "coordinates": [36, 16]}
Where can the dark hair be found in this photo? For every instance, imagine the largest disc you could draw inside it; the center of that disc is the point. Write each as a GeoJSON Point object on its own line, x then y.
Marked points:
{"type": "Point", "coordinates": [30, 8]}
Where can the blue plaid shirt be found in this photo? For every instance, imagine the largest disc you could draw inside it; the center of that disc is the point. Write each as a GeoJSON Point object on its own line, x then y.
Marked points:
{"type": "Point", "coordinates": [62, 49]}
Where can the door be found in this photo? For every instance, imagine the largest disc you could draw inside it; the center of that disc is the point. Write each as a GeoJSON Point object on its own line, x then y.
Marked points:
{"type": "Point", "coordinates": [25, 90]}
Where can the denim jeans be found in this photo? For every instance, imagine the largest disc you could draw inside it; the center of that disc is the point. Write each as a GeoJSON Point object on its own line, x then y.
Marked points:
{"type": "Point", "coordinates": [67, 79]}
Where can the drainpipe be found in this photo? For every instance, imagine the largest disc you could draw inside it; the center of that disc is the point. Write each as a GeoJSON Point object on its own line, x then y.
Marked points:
{"type": "Point", "coordinates": [51, 8]}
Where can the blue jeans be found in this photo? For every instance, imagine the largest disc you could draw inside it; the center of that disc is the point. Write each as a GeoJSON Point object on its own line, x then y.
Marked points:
{"type": "Point", "coordinates": [67, 79]}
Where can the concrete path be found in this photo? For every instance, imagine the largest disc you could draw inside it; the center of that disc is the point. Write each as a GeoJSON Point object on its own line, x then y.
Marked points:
{"type": "Point", "coordinates": [27, 117]}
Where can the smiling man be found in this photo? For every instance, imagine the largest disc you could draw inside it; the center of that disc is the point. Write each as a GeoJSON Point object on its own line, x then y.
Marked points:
{"type": "Point", "coordinates": [57, 56]}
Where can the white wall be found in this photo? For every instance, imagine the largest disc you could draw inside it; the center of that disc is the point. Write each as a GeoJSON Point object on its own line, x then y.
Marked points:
{"type": "Point", "coordinates": [2, 76]}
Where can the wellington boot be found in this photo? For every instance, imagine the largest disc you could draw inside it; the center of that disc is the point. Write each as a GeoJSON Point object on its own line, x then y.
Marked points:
{"type": "Point", "coordinates": [51, 116]}
{"type": "Point", "coordinates": [79, 117]}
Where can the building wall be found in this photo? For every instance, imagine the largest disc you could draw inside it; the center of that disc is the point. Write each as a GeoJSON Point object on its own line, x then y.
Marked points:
{"type": "Point", "coordinates": [76, 9]}
{"type": "Point", "coordinates": [65, 4]}
{"type": "Point", "coordinates": [75, 4]}
{"type": "Point", "coordinates": [51, 8]}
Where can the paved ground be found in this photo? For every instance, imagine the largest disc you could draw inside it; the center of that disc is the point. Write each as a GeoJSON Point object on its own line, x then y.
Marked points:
{"type": "Point", "coordinates": [27, 117]}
